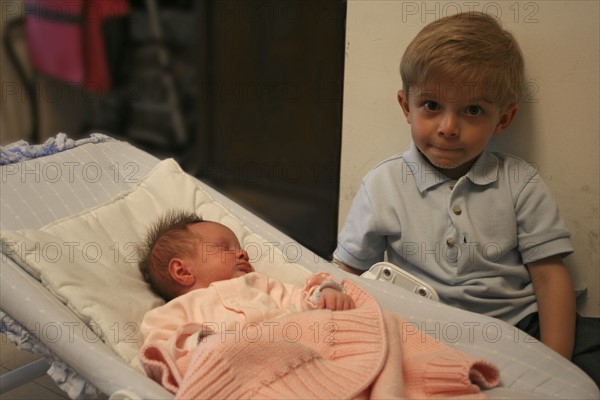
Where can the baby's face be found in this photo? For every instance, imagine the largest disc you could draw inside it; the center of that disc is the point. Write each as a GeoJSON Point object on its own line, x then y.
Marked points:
{"type": "Point", "coordinates": [218, 254]}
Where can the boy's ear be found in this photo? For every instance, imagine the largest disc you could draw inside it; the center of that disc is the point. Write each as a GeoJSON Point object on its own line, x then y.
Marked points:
{"type": "Point", "coordinates": [179, 271]}
{"type": "Point", "coordinates": [506, 118]}
{"type": "Point", "coordinates": [403, 100]}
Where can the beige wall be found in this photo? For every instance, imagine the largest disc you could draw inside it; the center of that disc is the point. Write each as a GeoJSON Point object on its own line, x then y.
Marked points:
{"type": "Point", "coordinates": [558, 129]}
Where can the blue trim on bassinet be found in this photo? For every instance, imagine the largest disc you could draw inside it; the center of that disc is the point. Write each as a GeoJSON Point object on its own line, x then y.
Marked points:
{"type": "Point", "coordinates": [65, 377]}
{"type": "Point", "coordinates": [21, 150]}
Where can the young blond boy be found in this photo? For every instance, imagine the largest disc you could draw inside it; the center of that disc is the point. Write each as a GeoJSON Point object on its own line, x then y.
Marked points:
{"type": "Point", "coordinates": [480, 227]}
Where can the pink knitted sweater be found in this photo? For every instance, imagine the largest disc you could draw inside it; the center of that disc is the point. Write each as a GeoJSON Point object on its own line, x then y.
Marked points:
{"type": "Point", "coordinates": [357, 354]}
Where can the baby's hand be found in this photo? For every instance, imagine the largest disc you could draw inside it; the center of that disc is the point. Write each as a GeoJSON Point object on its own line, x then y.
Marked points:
{"type": "Point", "coordinates": [334, 300]}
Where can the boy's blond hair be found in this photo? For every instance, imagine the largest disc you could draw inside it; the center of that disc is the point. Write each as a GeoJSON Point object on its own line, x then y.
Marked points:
{"type": "Point", "coordinates": [469, 48]}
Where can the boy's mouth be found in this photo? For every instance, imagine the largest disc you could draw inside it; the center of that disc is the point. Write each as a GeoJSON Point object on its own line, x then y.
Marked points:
{"type": "Point", "coordinates": [446, 148]}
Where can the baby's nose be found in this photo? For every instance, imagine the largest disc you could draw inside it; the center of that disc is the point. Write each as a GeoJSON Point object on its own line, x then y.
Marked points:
{"type": "Point", "coordinates": [243, 254]}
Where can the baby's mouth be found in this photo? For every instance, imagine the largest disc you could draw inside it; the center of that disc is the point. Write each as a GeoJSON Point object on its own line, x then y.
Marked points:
{"type": "Point", "coordinates": [245, 267]}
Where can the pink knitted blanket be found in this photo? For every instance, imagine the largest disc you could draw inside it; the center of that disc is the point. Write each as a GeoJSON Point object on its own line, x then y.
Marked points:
{"type": "Point", "coordinates": [358, 354]}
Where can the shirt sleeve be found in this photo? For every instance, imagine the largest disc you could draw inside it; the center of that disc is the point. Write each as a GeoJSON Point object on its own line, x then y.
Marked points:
{"type": "Point", "coordinates": [541, 231]}
{"type": "Point", "coordinates": [169, 330]}
{"type": "Point", "coordinates": [360, 242]}
{"type": "Point", "coordinates": [306, 298]}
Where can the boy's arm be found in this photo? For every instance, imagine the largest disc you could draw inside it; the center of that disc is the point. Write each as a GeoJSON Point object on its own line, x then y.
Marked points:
{"type": "Point", "coordinates": [350, 269]}
{"type": "Point", "coordinates": [556, 303]}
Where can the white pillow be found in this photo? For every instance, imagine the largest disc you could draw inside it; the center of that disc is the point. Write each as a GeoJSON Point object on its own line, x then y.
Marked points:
{"type": "Point", "coordinates": [89, 260]}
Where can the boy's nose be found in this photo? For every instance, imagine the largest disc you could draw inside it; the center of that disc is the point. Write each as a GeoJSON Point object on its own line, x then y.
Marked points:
{"type": "Point", "coordinates": [448, 125]}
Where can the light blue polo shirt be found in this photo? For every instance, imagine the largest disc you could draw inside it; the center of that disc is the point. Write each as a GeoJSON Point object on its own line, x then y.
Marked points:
{"type": "Point", "coordinates": [470, 239]}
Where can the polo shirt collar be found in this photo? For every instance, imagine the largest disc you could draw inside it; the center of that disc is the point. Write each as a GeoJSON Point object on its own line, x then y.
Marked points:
{"type": "Point", "coordinates": [483, 172]}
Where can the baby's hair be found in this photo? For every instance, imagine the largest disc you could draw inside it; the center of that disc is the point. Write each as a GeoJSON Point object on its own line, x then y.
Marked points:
{"type": "Point", "coordinates": [168, 237]}
{"type": "Point", "coordinates": [470, 48]}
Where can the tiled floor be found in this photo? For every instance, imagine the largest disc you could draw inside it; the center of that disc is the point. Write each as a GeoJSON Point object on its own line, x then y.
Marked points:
{"type": "Point", "coordinates": [42, 388]}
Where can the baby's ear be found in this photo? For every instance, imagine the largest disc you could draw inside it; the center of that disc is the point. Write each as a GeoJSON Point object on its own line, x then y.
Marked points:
{"type": "Point", "coordinates": [506, 118]}
{"type": "Point", "coordinates": [180, 272]}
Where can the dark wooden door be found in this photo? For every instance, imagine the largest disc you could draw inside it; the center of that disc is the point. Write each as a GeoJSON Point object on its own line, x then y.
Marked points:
{"type": "Point", "coordinates": [270, 118]}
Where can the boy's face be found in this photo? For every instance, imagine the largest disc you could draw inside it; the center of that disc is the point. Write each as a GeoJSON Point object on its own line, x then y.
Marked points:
{"type": "Point", "coordinates": [451, 124]}
{"type": "Point", "coordinates": [217, 256]}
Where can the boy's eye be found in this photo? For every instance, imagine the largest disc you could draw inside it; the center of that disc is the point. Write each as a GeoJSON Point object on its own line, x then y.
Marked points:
{"type": "Point", "coordinates": [431, 105]}
{"type": "Point", "coordinates": [473, 110]}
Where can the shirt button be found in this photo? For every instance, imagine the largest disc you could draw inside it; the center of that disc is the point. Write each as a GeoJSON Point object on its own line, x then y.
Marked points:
{"type": "Point", "coordinates": [450, 242]}
{"type": "Point", "coordinates": [457, 210]}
